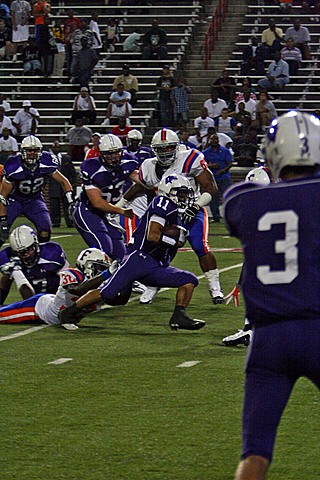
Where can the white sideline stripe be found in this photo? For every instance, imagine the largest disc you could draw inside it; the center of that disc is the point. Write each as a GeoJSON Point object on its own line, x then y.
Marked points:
{"type": "Point", "coordinates": [23, 332]}
{"type": "Point", "coordinates": [189, 364]}
{"type": "Point", "coordinates": [60, 361]}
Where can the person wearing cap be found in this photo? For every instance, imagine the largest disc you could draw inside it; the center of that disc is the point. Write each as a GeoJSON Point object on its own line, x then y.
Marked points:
{"type": "Point", "coordinates": [84, 106]}
{"type": "Point", "coordinates": [130, 83]}
{"type": "Point", "coordinates": [93, 152]}
{"type": "Point", "coordinates": [164, 85]}
{"type": "Point", "coordinates": [25, 121]}
{"type": "Point", "coordinates": [155, 43]}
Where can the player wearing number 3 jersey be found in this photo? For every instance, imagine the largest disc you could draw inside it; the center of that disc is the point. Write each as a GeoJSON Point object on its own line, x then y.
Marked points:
{"type": "Point", "coordinates": [279, 228]}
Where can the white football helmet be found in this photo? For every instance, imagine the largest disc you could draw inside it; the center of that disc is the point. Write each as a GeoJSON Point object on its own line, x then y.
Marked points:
{"type": "Point", "coordinates": [92, 261]}
{"type": "Point", "coordinates": [24, 242]}
{"type": "Point", "coordinates": [292, 140]}
{"type": "Point", "coordinates": [260, 175]}
{"type": "Point", "coordinates": [165, 144]}
{"type": "Point", "coordinates": [134, 139]}
{"type": "Point", "coordinates": [178, 189]}
{"type": "Point", "coordinates": [31, 150]}
{"type": "Point", "coordinates": [111, 149]}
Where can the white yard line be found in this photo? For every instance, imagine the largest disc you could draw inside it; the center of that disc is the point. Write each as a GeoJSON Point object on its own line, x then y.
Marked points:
{"type": "Point", "coordinates": [190, 363]}
{"type": "Point", "coordinates": [23, 332]}
{"type": "Point", "coordinates": [60, 361]}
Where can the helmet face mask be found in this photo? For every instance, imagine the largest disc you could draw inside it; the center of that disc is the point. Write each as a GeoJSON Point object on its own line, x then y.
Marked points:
{"type": "Point", "coordinates": [165, 144]}
{"type": "Point", "coordinates": [24, 243]}
{"type": "Point", "coordinates": [92, 262]}
{"type": "Point", "coordinates": [134, 139]}
{"type": "Point", "coordinates": [111, 150]}
{"type": "Point", "coordinates": [31, 150]}
{"type": "Point", "coordinates": [178, 189]}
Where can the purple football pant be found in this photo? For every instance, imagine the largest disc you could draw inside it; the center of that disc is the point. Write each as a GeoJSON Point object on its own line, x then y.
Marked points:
{"type": "Point", "coordinates": [34, 209]}
{"type": "Point", "coordinates": [279, 354]}
{"type": "Point", "coordinates": [98, 233]}
{"type": "Point", "coordinates": [147, 270]}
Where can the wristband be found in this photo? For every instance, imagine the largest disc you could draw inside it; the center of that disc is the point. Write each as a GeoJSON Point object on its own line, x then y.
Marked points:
{"type": "Point", "coordinates": [3, 218]}
{"type": "Point", "coordinates": [168, 240]}
{"type": "Point", "coordinates": [105, 274]}
{"type": "Point", "coordinates": [121, 203]}
{"type": "Point", "coordinates": [69, 196]}
{"type": "Point", "coordinates": [204, 199]}
{"type": "Point", "coordinates": [3, 200]}
{"type": "Point", "coordinates": [20, 279]}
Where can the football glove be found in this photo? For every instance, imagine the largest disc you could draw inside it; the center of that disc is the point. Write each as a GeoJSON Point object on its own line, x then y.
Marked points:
{"type": "Point", "coordinates": [13, 265]}
{"type": "Point", "coordinates": [4, 230]}
{"type": "Point", "coordinates": [190, 213]}
{"type": "Point", "coordinates": [233, 295]}
{"type": "Point", "coordinates": [71, 208]}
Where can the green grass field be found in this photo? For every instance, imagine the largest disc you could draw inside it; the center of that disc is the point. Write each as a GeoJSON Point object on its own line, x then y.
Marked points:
{"type": "Point", "coordinates": [122, 409]}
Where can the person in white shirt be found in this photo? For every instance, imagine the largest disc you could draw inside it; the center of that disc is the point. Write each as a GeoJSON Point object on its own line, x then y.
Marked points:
{"type": "Point", "coordinates": [249, 102]}
{"type": "Point", "coordinates": [8, 145]}
{"type": "Point", "coordinates": [131, 42]}
{"type": "Point", "coordinates": [94, 27]}
{"type": "Point", "coordinates": [84, 106]}
{"type": "Point", "coordinates": [26, 120]}
{"type": "Point", "coordinates": [202, 123]}
{"type": "Point", "coordinates": [214, 104]}
{"type": "Point", "coordinates": [5, 121]}
{"type": "Point", "coordinates": [4, 103]}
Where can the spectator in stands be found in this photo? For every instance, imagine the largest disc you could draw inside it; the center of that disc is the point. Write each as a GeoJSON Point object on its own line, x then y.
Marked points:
{"type": "Point", "coordinates": [277, 74]}
{"type": "Point", "coordinates": [164, 85]}
{"type": "Point", "coordinates": [70, 25]}
{"type": "Point", "coordinates": [93, 151]}
{"type": "Point", "coordinates": [84, 107]}
{"type": "Point", "coordinates": [25, 121]}
{"type": "Point", "coordinates": [83, 63]}
{"type": "Point", "coordinates": [6, 105]}
{"type": "Point", "coordinates": [39, 10]}
{"type": "Point", "coordinates": [245, 152]}
{"type": "Point", "coordinates": [5, 13]}
{"type": "Point", "coordinates": [292, 55]}
{"type": "Point", "coordinates": [5, 40]}
{"type": "Point", "coordinates": [311, 7]}
{"type": "Point", "coordinates": [265, 112]}
{"type": "Point", "coordinates": [76, 37]}
{"type": "Point", "coordinates": [60, 56]}
{"type": "Point", "coordinates": [225, 123]}
{"type": "Point", "coordinates": [8, 145]}
{"type": "Point", "coordinates": [201, 125]}
{"type": "Point", "coordinates": [179, 98]}
{"type": "Point", "coordinates": [224, 140]}
{"type": "Point", "coordinates": [285, 7]}
{"type": "Point", "coordinates": [130, 83]}
{"type": "Point", "coordinates": [112, 35]}
{"type": "Point", "coordinates": [184, 138]}
{"type": "Point", "coordinates": [214, 104]}
{"type": "Point", "coordinates": [131, 42]}
{"type": "Point", "coordinates": [155, 43]}
{"type": "Point", "coordinates": [56, 193]}
{"type": "Point", "coordinates": [271, 39]}
{"type": "Point", "coordinates": [5, 121]}
{"type": "Point", "coordinates": [95, 29]}
{"type": "Point", "coordinates": [253, 57]}
{"type": "Point", "coordinates": [31, 58]}
{"type": "Point", "coordinates": [47, 46]}
{"type": "Point", "coordinates": [249, 102]}
{"type": "Point", "coordinates": [78, 137]}
{"type": "Point", "coordinates": [20, 14]}
{"type": "Point", "coordinates": [219, 160]}
{"type": "Point", "coordinates": [316, 113]}
{"type": "Point", "coordinates": [119, 105]}
{"type": "Point", "coordinates": [246, 127]}
{"type": "Point", "coordinates": [241, 113]}
{"type": "Point", "coordinates": [246, 82]}
{"type": "Point", "coordinates": [122, 130]}
{"type": "Point", "coordinates": [301, 38]}
{"type": "Point", "coordinates": [225, 87]}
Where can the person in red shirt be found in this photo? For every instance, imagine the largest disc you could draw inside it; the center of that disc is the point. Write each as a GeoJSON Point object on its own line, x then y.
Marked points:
{"type": "Point", "coordinates": [121, 130]}
{"type": "Point", "coordinates": [39, 10]}
{"type": "Point", "coordinates": [70, 25]}
{"type": "Point", "coordinates": [93, 152]}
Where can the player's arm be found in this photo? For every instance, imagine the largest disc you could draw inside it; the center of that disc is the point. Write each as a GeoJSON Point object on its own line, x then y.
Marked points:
{"type": "Point", "coordinates": [98, 202]}
{"type": "Point", "coordinates": [67, 188]}
{"type": "Point", "coordinates": [5, 190]}
{"type": "Point", "coordinates": [208, 189]}
{"type": "Point", "coordinates": [136, 190]}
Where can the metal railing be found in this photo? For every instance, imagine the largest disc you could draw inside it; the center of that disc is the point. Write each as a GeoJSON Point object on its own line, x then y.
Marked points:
{"type": "Point", "coordinates": [213, 30]}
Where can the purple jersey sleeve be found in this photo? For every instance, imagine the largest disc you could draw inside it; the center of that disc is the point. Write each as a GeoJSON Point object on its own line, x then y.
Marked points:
{"type": "Point", "coordinates": [5, 255]}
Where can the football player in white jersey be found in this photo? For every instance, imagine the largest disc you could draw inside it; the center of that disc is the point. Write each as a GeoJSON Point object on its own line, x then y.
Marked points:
{"type": "Point", "coordinates": [191, 163]}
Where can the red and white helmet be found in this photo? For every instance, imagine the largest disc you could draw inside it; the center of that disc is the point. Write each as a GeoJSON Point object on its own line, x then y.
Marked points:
{"type": "Point", "coordinates": [165, 144]}
{"type": "Point", "coordinates": [92, 261]}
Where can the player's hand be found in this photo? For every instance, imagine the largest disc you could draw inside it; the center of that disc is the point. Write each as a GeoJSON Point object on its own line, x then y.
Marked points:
{"type": "Point", "coordinates": [71, 209]}
{"type": "Point", "coordinates": [13, 265]}
{"type": "Point", "coordinates": [128, 213]}
{"type": "Point", "coordinates": [4, 229]}
{"type": "Point", "coordinates": [190, 213]}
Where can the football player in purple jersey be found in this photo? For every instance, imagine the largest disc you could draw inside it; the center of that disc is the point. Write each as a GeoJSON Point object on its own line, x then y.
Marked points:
{"type": "Point", "coordinates": [148, 256]}
{"type": "Point", "coordinates": [24, 176]}
{"type": "Point", "coordinates": [279, 228]}
{"type": "Point", "coordinates": [102, 183]}
{"type": "Point", "coordinates": [40, 263]}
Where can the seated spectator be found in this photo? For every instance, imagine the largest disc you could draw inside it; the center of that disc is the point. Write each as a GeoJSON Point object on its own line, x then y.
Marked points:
{"type": "Point", "coordinates": [6, 105]}
{"type": "Point", "coordinates": [224, 140]}
{"type": "Point", "coordinates": [122, 130]}
{"type": "Point", "coordinates": [246, 127]}
{"type": "Point", "coordinates": [83, 63]}
{"type": "Point", "coordinates": [225, 87]}
{"type": "Point", "coordinates": [155, 43]}
{"type": "Point", "coordinates": [292, 55]}
{"type": "Point", "coordinates": [20, 14]}
{"type": "Point", "coordinates": [5, 12]}
{"type": "Point", "coordinates": [214, 105]}
{"type": "Point", "coordinates": [93, 150]}
{"type": "Point", "coordinates": [249, 102]}
{"type": "Point", "coordinates": [225, 124]}
{"type": "Point", "coordinates": [131, 42]}
{"type": "Point", "coordinates": [5, 121]}
{"type": "Point", "coordinates": [202, 123]}
{"type": "Point", "coordinates": [246, 82]}
{"type": "Point", "coordinates": [130, 83]}
{"type": "Point", "coordinates": [277, 74]}
{"type": "Point", "coordinates": [8, 145]}
{"type": "Point", "coordinates": [5, 40]}
{"type": "Point", "coordinates": [25, 121]}
{"type": "Point", "coordinates": [119, 105]}
{"type": "Point", "coordinates": [253, 57]}
{"type": "Point", "coordinates": [271, 39]}
{"type": "Point", "coordinates": [84, 107]}
{"type": "Point", "coordinates": [60, 56]}
{"type": "Point", "coordinates": [265, 112]}
{"type": "Point", "coordinates": [31, 58]}
{"type": "Point", "coordinates": [78, 137]}
{"type": "Point", "coordinates": [241, 113]}
{"type": "Point", "coordinates": [179, 98]}
{"type": "Point", "coordinates": [301, 38]}
{"type": "Point", "coordinates": [311, 7]}
{"type": "Point", "coordinates": [245, 152]}
{"type": "Point", "coordinates": [184, 138]}
{"type": "Point", "coordinates": [111, 36]}
{"type": "Point", "coordinates": [285, 7]}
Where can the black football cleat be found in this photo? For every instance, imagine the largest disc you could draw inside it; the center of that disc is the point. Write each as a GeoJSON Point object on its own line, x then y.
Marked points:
{"type": "Point", "coordinates": [181, 321]}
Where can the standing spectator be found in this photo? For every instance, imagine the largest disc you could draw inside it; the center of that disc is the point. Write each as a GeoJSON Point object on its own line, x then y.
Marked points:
{"type": "Point", "coordinates": [5, 121]}
{"type": "Point", "coordinates": [39, 10]}
{"type": "Point", "coordinates": [311, 7]}
{"type": "Point", "coordinates": [83, 63]}
{"type": "Point", "coordinates": [265, 112]}
{"type": "Point", "coordinates": [130, 83]}
{"type": "Point", "coordinates": [8, 145]}
{"type": "Point", "coordinates": [164, 85]}
{"type": "Point", "coordinates": [249, 102]}
{"type": "Point", "coordinates": [179, 98]}
{"type": "Point", "coordinates": [111, 36]}
{"type": "Point", "coordinates": [225, 87]}
{"type": "Point", "coordinates": [253, 57]}
{"type": "Point", "coordinates": [6, 105]}
{"type": "Point", "coordinates": [56, 193]}
{"type": "Point", "coordinates": [271, 39]}
{"type": "Point", "coordinates": [25, 121]}
{"type": "Point", "coordinates": [119, 105]}
{"type": "Point", "coordinates": [76, 37]}
{"type": "Point", "coordinates": [70, 25]}
{"type": "Point", "coordinates": [201, 125]}
{"type": "Point", "coordinates": [78, 137]}
{"type": "Point", "coordinates": [219, 160]}
{"type": "Point", "coordinates": [155, 43]}
{"type": "Point", "coordinates": [277, 74]}
{"type": "Point", "coordinates": [94, 27]}
{"type": "Point", "coordinates": [121, 130]}
{"type": "Point", "coordinates": [225, 123]}
{"type": "Point", "coordinates": [131, 42]}
{"type": "Point", "coordinates": [301, 38]}
{"type": "Point", "coordinates": [84, 107]}
{"type": "Point", "coordinates": [292, 55]}
{"type": "Point", "coordinates": [20, 14]}
{"type": "Point", "coordinates": [5, 40]}
{"type": "Point", "coordinates": [93, 151]}
{"type": "Point", "coordinates": [214, 105]}
{"type": "Point", "coordinates": [31, 58]}
{"type": "Point", "coordinates": [60, 56]}
{"type": "Point", "coordinates": [47, 47]}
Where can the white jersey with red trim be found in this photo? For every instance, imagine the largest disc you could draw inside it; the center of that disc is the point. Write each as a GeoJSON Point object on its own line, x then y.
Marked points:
{"type": "Point", "coordinates": [190, 163]}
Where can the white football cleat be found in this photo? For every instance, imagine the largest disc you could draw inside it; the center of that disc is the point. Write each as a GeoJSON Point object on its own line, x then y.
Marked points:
{"type": "Point", "coordinates": [217, 296]}
{"type": "Point", "coordinates": [242, 337]}
{"type": "Point", "coordinates": [138, 287]}
{"type": "Point", "coordinates": [149, 295]}
{"type": "Point", "coordinates": [69, 326]}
